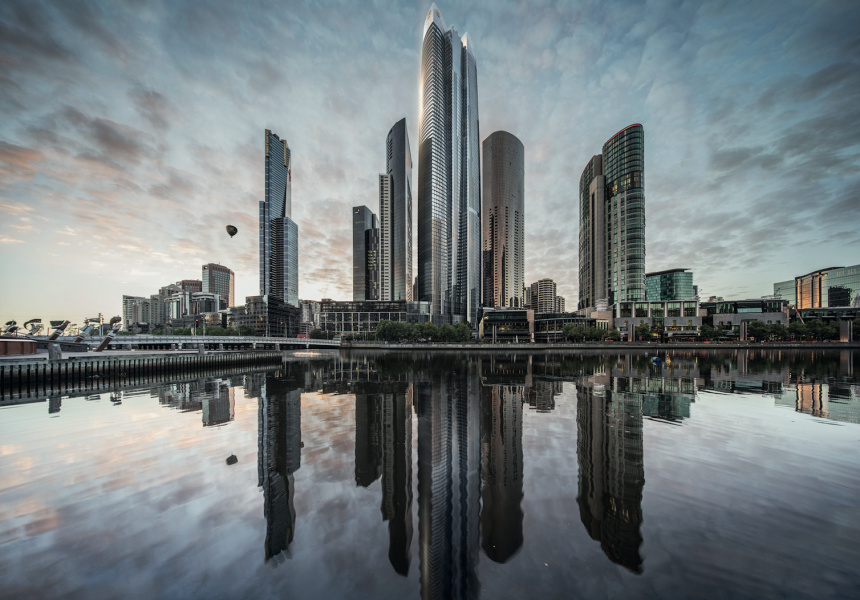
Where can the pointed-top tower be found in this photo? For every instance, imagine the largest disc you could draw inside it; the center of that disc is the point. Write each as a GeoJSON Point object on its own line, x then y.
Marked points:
{"type": "Point", "coordinates": [449, 203]}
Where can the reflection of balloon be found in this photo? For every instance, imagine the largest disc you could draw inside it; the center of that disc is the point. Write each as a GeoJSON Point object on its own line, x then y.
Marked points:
{"type": "Point", "coordinates": [232, 230]}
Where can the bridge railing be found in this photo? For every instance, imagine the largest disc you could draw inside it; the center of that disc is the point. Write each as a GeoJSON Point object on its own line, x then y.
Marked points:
{"type": "Point", "coordinates": [232, 340]}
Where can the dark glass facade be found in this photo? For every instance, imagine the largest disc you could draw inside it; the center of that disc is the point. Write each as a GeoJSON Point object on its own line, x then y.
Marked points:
{"type": "Point", "coordinates": [365, 254]}
{"type": "Point", "coordinates": [279, 245]}
{"type": "Point", "coordinates": [395, 211]}
{"type": "Point", "coordinates": [837, 286]}
{"type": "Point", "coordinates": [612, 221]}
{"type": "Point", "coordinates": [674, 284]}
{"type": "Point", "coordinates": [503, 215]}
{"type": "Point", "coordinates": [624, 170]}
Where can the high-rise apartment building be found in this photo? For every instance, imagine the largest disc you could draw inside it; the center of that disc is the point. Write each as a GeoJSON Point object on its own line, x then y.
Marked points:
{"type": "Point", "coordinates": [542, 296]}
{"type": "Point", "coordinates": [365, 255]}
{"type": "Point", "coordinates": [612, 221]}
{"type": "Point", "coordinates": [395, 217]}
{"type": "Point", "coordinates": [669, 285]}
{"type": "Point", "coordinates": [218, 279]}
{"type": "Point", "coordinates": [279, 235]}
{"type": "Point", "coordinates": [503, 220]}
{"type": "Point", "coordinates": [449, 197]}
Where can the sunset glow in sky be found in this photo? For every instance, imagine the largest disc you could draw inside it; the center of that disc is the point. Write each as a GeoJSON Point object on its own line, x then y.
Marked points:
{"type": "Point", "coordinates": [132, 133]}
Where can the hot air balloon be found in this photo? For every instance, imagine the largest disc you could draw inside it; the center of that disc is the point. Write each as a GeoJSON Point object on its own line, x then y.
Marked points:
{"type": "Point", "coordinates": [232, 230]}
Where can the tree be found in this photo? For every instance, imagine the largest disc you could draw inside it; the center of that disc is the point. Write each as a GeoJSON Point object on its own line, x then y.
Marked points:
{"type": "Point", "coordinates": [447, 333]}
{"type": "Point", "coordinates": [613, 334]}
{"type": "Point", "coordinates": [593, 334]}
{"type": "Point", "coordinates": [817, 329]}
{"type": "Point", "coordinates": [246, 330]}
{"type": "Point", "coordinates": [707, 332]}
{"type": "Point", "coordinates": [758, 330]}
{"type": "Point", "coordinates": [797, 330]}
{"type": "Point", "coordinates": [575, 332]}
{"type": "Point", "coordinates": [464, 332]}
{"type": "Point", "coordinates": [643, 331]}
{"type": "Point", "coordinates": [779, 331]}
{"type": "Point", "coordinates": [317, 334]}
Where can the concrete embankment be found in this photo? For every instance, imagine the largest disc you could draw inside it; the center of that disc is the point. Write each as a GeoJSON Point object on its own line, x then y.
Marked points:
{"type": "Point", "coordinates": [35, 374]}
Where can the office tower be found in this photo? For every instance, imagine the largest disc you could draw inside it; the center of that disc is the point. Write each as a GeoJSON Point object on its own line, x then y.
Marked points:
{"type": "Point", "coordinates": [395, 217]}
{"type": "Point", "coordinates": [542, 296]}
{"type": "Point", "coordinates": [669, 285]}
{"type": "Point", "coordinates": [365, 255]}
{"type": "Point", "coordinates": [279, 455]}
{"type": "Point", "coordinates": [449, 202]}
{"type": "Point", "coordinates": [279, 235]}
{"type": "Point", "coordinates": [218, 279]}
{"type": "Point", "coordinates": [786, 291]}
{"type": "Point", "coordinates": [825, 288]}
{"type": "Point", "coordinates": [612, 221]}
{"type": "Point", "coordinates": [503, 220]}
{"type": "Point", "coordinates": [449, 480]}
{"type": "Point", "coordinates": [559, 304]}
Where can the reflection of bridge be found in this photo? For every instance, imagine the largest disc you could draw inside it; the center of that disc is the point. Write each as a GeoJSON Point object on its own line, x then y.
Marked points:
{"type": "Point", "coordinates": [211, 342]}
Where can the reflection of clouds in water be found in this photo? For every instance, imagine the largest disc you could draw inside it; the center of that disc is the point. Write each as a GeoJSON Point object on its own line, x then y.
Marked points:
{"type": "Point", "coordinates": [137, 490]}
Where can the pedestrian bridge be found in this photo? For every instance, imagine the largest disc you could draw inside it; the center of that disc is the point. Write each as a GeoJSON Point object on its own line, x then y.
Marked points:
{"type": "Point", "coordinates": [210, 342]}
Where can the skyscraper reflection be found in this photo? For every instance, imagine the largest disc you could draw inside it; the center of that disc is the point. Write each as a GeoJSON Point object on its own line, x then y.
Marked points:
{"type": "Point", "coordinates": [279, 455]}
{"type": "Point", "coordinates": [396, 401]}
{"type": "Point", "coordinates": [502, 470]}
{"type": "Point", "coordinates": [449, 479]}
{"type": "Point", "coordinates": [611, 472]}
{"type": "Point", "coordinates": [368, 450]}
{"type": "Point", "coordinates": [383, 446]}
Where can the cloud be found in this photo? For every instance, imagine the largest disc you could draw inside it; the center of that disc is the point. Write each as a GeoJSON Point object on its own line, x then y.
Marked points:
{"type": "Point", "coordinates": [139, 126]}
{"type": "Point", "coordinates": [17, 162]}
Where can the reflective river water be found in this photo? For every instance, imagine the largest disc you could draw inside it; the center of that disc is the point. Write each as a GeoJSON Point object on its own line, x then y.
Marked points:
{"type": "Point", "coordinates": [587, 475]}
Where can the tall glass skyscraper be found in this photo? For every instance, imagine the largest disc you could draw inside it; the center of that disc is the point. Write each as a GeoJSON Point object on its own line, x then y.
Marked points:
{"type": "Point", "coordinates": [365, 255]}
{"type": "Point", "coordinates": [279, 235]}
{"type": "Point", "coordinates": [395, 217]}
{"type": "Point", "coordinates": [503, 216]}
{"type": "Point", "coordinates": [449, 178]}
{"type": "Point", "coordinates": [612, 221]}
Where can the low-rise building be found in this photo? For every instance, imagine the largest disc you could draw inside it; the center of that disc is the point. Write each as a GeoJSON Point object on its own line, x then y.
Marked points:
{"type": "Point", "coordinates": [669, 285]}
{"type": "Point", "coordinates": [268, 315]}
{"type": "Point", "coordinates": [507, 325]}
{"type": "Point", "coordinates": [359, 318]}
{"type": "Point", "coordinates": [549, 327]}
{"type": "Point", "coordinates": [675, 319]}
{"type": "Point", "coordinates": [732, 315]}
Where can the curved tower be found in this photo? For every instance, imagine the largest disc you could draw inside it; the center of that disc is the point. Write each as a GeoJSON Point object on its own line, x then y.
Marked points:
{"type": "Point", "coordinates": [449, 205]}
{"type": "Point", "coordinates": [503, 220]}
{"type": "Point", "coordinates": [612, 221]}
{"type": "Point", "coordinates": [624, 170]}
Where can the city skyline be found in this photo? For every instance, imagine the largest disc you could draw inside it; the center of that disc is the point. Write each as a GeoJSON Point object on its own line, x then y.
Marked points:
{"type": "Point", "coordinates": [124, 179]}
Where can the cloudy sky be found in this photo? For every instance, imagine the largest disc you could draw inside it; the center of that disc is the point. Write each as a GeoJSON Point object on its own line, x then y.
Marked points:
{"type": "Point", "coordinates": [132, 133]}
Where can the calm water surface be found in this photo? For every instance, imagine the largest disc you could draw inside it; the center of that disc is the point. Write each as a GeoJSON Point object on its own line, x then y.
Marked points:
{"type": "Point", "coordinates": [716, 475]}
